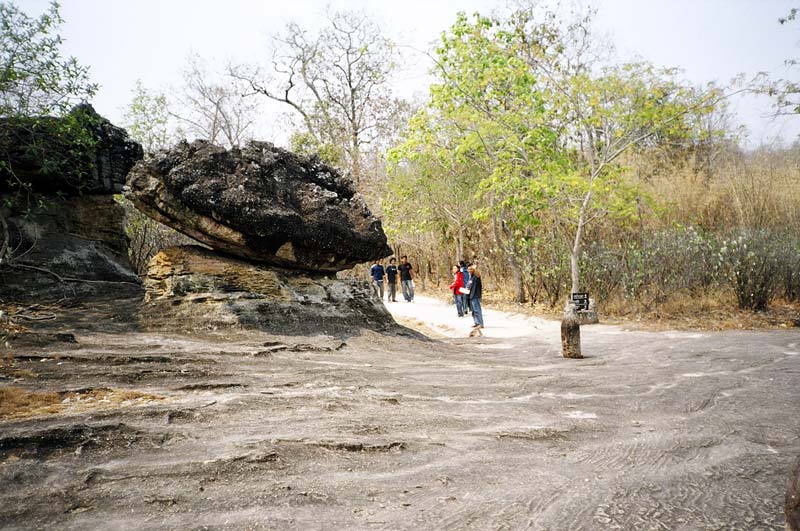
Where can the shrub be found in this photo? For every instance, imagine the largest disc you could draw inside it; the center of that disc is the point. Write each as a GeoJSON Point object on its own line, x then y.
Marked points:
{"type": "Point", "coordinates": [790, 267]}
{"type": "Point", "coordinates": [751, 260]}
{"type": "Point", "coordinates": [662, 263]}
{"type": "Point", "coordinates": [603, 268]}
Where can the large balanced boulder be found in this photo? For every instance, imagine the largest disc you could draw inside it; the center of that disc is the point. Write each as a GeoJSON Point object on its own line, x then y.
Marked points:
{"type": "Point", "coordinates": [261, 203]}
{"type": "Point", "coordinates": [78, 154]}
{"type": "Point", "coordinates": [192, 288]}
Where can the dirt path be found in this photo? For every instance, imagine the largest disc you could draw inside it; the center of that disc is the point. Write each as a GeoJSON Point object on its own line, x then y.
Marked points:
{"type": "Point", "coordinates": [654, 430]}
{"type": "Point", "coordinates": [442, 318]}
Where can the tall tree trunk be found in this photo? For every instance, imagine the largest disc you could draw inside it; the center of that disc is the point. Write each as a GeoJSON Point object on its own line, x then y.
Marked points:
{"type": "Point", "coordinates": [519, 282]}
{"type": "Point", "coordinates": [460, 243]}
{"type": "Point", "coordinates": [512, 254]}
{"type": "Point", "coordinates": [576, 243]}
{"type": "Point", "coordinates": [570, 324]}
{"type": "Point", "coordinates": [574, 271]}
{"type": "Point", "coordinates": [517, 275]}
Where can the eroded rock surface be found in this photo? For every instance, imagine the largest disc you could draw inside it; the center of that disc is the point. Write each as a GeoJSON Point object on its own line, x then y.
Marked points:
{"type": "Point", "coordinates": [248, 430]}
{"type": "Point", "coordinates": [76, 248]}
{"type": "Point", "coordinates": [261, 203]}
{"type": "Point", "coordinates": [189, 286]}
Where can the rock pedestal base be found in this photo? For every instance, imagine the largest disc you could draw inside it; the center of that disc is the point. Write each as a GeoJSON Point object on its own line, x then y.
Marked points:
{"type": "Point", "coordinates": [190, 287]}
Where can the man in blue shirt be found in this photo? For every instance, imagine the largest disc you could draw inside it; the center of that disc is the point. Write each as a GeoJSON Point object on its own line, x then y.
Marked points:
{"type": "Point", "coordinates": [377, 272]}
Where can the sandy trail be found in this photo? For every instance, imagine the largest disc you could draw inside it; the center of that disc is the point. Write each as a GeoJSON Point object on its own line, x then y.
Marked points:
{"type": "Point", "coordinates": [442, 318]}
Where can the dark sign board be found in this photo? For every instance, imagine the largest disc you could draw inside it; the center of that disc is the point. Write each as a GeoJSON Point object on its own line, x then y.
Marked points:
{"type": "Point", "coordinates": [581, 301]}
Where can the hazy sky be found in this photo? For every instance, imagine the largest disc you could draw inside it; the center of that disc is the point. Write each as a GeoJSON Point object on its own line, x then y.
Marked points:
{"type": "Point", "coordinates": [126, 40]}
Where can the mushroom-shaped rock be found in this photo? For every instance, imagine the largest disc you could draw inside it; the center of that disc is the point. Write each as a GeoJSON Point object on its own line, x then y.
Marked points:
{"type": "Point", "coordinates": [261, 203]}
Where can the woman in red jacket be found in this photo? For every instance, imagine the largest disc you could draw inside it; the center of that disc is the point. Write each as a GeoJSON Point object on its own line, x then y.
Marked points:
{"type": "Point", "coordinates": [458, 283]}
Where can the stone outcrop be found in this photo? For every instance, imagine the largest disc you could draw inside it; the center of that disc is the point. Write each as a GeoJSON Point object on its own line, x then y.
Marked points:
{"type": "Point", "coordinates": [74, 249]}
{"type": "Point", "coordinates": [193, 288]}
{"type": "Point", "coordinates": [82, 153]}
{"type": "Point", "coordinates": [65, 232]}
{"type": "Point", "coordinates": [260, 203]}
{"type": "Point", "coordinates": [279, 226]}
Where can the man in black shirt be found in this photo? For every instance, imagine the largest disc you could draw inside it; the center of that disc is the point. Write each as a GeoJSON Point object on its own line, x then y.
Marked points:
{"type": "Point", "coordinates": [406, 279]}
{"type": "Point", "coordinates": [391, 280]}
{"type": "Point", "coordinates": [475, 288]}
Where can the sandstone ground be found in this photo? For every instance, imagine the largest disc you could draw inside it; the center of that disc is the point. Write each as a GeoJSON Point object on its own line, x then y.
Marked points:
{"type": "Point", "coordinates": [246, 430]}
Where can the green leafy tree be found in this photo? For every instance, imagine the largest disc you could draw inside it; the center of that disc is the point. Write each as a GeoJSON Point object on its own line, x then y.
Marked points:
{"type": "Point", "coordinates": [490, 120]}
{"type": "Point", "coordinates": [547, 122]}
{"type": "Point", "coordinates": [147, 119]}
{"type": "Point", "coordinates": [432, 185]}
{"type": "Point", "coordinates": [35, 78]}
{"type": "Point", "coordinates": [606, 114]}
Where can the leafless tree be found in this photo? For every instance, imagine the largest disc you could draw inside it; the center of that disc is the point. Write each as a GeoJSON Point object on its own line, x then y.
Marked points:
{"type": "Point", "coordinates": [337, 83]}
{"type": "Point", "coordinates": [212, 107]}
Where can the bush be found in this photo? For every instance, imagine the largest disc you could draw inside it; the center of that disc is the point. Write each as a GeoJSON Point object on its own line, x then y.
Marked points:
{"type": "Point", "coordinates": [547, 270]}
{"type": "Point", "coordinates": [682, 259]}
{"type": "Point", "coordinates": [603, 269]}
{"type": "Point", "coordinates": [752, 263]}
{"type": "Point", "coordinates": [790, 267]}
{"type": "Point", "coordinates": [663, 263]}
{"type": "Point", "coordinates": [757, 264]}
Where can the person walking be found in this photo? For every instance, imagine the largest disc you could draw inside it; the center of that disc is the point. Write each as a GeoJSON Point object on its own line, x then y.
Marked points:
{"type": "Point", "coordinates": [456, 287]}
{"type": "Point", "coordinates": [406, 279]}
{"type": "Point", "coordinates": [464, 296]}
{"type": "Point", "coordinates": [377, 272]}
{"type": "Point", "coordinates": [391, 280]}
{"type": "Point", "coordinates": [475, 293]}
